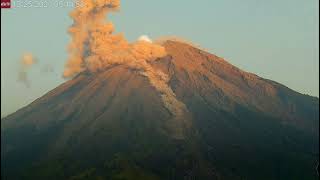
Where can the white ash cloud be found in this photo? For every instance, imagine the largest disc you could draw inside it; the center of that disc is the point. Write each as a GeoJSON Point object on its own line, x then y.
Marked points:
{"type": "Point", "coordinates": [145, 38]}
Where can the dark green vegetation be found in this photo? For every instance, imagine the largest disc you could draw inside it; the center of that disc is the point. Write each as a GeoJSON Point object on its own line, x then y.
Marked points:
{"type": "Point", "coordinates": [112, 125]}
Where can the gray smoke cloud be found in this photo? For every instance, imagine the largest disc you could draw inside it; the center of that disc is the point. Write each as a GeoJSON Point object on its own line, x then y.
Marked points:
{"type": "Point", "coordinates": [48, 68]}
{"type": "Point", "coordinates": [26, 62]}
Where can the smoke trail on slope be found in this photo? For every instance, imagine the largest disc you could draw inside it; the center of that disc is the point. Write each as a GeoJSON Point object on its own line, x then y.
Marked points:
{"type": "Point", "coordinates": [160, 80]}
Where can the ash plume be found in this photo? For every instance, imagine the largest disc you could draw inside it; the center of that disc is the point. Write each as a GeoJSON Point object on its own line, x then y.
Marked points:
{"type": "Point", "coordinates": [95, 46]}
{"type": "Point", "coordinates": [26, 62]}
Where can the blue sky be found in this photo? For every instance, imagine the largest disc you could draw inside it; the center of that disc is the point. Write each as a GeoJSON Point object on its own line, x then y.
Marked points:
{"type": "Point", "coordinates": [275, 39]}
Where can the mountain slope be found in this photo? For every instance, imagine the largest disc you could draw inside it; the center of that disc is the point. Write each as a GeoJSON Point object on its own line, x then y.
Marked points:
{"type": "Point", "coordinates": [113, 124]}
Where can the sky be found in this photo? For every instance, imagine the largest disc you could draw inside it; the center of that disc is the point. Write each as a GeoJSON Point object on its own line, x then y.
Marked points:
{"type": "Point", "coordinates": [275, 39]}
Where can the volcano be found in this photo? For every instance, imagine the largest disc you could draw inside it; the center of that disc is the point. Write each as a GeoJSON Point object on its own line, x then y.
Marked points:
{"type": "Point", "coordinates": [114, 124]}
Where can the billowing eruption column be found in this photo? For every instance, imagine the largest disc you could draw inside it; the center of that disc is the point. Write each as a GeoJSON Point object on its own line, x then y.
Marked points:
{"type": "Point", "coordinates": [94, 47]}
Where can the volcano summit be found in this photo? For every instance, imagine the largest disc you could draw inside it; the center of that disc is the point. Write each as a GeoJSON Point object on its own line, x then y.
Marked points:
{"type": "Point", "coordinates": [199, 117]}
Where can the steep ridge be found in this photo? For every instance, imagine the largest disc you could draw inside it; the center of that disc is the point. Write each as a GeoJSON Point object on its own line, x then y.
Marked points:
{"type": "Point", "coordinates": [224, 86]}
